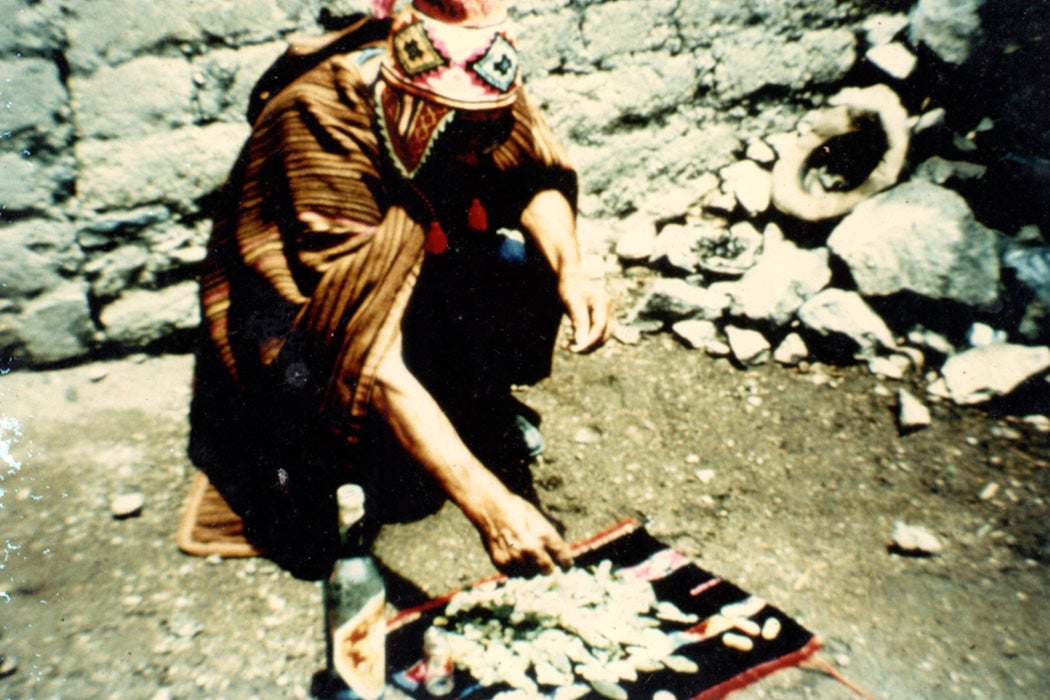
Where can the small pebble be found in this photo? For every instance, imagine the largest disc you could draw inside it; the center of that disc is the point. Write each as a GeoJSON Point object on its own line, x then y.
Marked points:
{"type": "Point", "coordinates": [127, 505]}
{"type": "Point", "coordinates": [8, 666]}
{"type": "Point", "coordinates": [706, 476]}
{"type": "Point", "coordinates": [913, 414]}
{"type": "Point", "coordinates": [989, 491]}
{"type": "Point", "coordinates": [587, 435]}
{"type": "Point", "coordinates": [910, 539]}
{"type": "Point", "coordinates": [747, 626]}
{"type": "Point", "coordinates": [770, 628]}
{"type": "Point", "coordinates": [737, 641]}
{"type": "Point", "coordinates": [627, 335]}
{"type": "Point", "coordinates": [1039, 422]}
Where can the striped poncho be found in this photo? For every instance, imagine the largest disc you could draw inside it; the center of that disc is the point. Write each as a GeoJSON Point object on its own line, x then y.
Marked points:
{"type": "Point", "coordinates": [315, 251]}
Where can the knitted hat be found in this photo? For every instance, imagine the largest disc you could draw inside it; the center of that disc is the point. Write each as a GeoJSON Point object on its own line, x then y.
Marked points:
{"type": "Point", "coordinates": [457, 53]}
{"type": "Point", "coordinates": [443, 56]}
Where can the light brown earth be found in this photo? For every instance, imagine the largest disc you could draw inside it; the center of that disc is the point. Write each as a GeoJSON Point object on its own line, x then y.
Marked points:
{"type": "Point", "coordinates": [786, 482]}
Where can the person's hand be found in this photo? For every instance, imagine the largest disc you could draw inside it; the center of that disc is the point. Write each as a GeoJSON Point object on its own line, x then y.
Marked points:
{"type": "Point", "coordinates": [589, 309]}
{"type": "Point", "coordinates": [519, 539]}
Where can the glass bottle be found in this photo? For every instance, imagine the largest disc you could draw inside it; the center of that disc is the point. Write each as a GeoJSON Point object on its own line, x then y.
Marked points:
{"type": "Point", "coordinates": [354, 602]}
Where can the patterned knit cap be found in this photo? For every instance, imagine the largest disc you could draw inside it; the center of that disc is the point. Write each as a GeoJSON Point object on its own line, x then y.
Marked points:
{"type": "Point", "coordinates": [457, 53]}
{"type": "Point", "coordinates": [443, 56]}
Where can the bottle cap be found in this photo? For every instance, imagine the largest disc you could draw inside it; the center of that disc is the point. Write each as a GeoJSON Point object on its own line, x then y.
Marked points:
{"type": "Point", "coordinates": [350, 499]}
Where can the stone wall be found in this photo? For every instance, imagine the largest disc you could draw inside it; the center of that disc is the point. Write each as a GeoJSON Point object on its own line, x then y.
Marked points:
{"type": "Point", "coordinates": [120, 119]}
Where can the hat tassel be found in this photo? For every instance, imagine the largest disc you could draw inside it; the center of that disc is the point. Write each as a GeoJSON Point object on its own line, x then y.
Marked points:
{"type": "Point", "coordinates": [477, 217]}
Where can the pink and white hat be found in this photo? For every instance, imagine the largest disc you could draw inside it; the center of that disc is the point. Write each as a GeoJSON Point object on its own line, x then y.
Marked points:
{"type": "Point", "coordinates": [456, 53]}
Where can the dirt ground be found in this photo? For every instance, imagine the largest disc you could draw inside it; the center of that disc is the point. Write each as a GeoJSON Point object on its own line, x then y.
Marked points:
{"type": "Point", "coordinates": [786, 482]}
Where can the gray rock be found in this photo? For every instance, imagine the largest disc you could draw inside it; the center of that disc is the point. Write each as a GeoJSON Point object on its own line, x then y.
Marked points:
{"type": "Point", "coordinates": [30, 27]}
{"type": "Point", "coordinates": [33, 184]}
{"type": "Point", "coordinates": [1032, 266]}
{"type": "Point", "coordinates": [675, 299]}
{"type": "Point", "coordinates": [750, 184]}
{"type": "Point", "coordinates": [730, 252]}
{"type": "Point", "coordinates": [930, 340]}
{"type": "Point", "coordinates": [627, 335]}
{"type": "Point", "coordinates": [678, 199]}
{"type": "Point", "coordinates": [982, 334]}
{"type": "Point", "coordinates": [791, 351]}
{"type": "Point", "coordinates": [881, 29]}
{"type": "Point", "coordinates": [719, 202]}
{"type": "Point", "coordinates": [107, 33]}
{"type": "Point", "coordinates": [698, 334]}
{"type": "Point", "coordinates": [138, 97]}
{"type": "Point", "coordinates": [587, 435]}
{"type": "Point", "coordinates": [912, 414]}
{"type": "Point", "coordinates": [895, 60]}
{"type": "Point", "coordinates": [33, 256]}
{"type": "Point", "coordinates": [98, 231]}
{"type": "Point", "coordinates": [177, 167]}
{"type": "Point", "coordinates": [922, 238]}
{"type": "Point", "coordinates": [914, 540]}
{"type": "Point", "coordinates": [638, 240]}
{"type": "Point", "coordinates": [56, 326]}
{"type": "Point", "coordinates": [224, 79]}
{"type": "Point", "coordinates": [127, 505]}
{"type": "Point", "coordinates": [936, 117]}
{"type": "Point", "coordinates": [112, 273]}
{"type": "Point", "coordinates": [581, 105]}
{"type": "Point", "coordinates": [648, 161]}
{"type": "Point", "coordinates": [696, 246]}
{"type": "Point", "coordinates": [977, 375]}
{"type": "Point", "coordinates": [895, 366]}
{"type": "Point", "coordinates": [139, 316]}
{"type": "Point", "coordinates": [596, 236]}
{"type": "Point", "coordinates": [781, 280]}
{"type": "Point", "coordinates": [550, 40]}
{"type": "Point", "coordinates": [837, 312]}
{"type": "Point", "coordinates": [748, 61]}
{"type": "Point", "coordinates": [760, 152]}
{"type": "Point", "coordinates": [678, 245]}
{"type": "Point", "coordinates": [36, 105]}
{"type": "Point", "coordinates": [950, 28]}
{"type": "Point", "coordinates": [627, 26]}
{"type": "Point", "coordinates": [749, 347]}
{"type": "Point", "coordinates": [939, 170]}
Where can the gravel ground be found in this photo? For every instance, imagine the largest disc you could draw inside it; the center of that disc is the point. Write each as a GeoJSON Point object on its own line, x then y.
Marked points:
{"type": "Point", "coordinates": [786, 482]}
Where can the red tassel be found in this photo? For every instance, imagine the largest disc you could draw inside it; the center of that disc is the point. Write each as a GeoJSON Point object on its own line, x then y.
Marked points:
{"type": "Point", "coordinates": [477, 217]}
{"type": "Point", "coordinates": [436, 241]}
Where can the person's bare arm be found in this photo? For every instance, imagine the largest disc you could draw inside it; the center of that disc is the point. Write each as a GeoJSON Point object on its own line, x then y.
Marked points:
{"type": "Point", "coordinates": [549, 219]}
{"type": "Point", "coordinates": [517, 536]}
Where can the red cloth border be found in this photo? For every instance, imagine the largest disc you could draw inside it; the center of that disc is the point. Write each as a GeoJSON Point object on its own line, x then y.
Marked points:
{"type": "Point", "coordinates": [759, 672]}
{"type": "Point", "coordinates": [595, 541]}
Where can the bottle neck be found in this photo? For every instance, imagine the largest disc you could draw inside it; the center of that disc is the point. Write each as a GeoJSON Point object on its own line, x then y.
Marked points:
{"type": "Point", "coordinates": [352, 540]}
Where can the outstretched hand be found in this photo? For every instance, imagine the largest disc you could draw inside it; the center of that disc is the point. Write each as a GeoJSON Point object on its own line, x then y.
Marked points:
{"type": "Point", "coordinates": [589, 309]}
{"type": "Point", "coordinates": [520, 541]}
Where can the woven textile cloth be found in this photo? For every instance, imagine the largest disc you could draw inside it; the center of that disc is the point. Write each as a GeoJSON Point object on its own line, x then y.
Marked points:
{"type": "Point", "coordinates": [316, 249]}
{"type": "Point", "coordinates": [634, 552]}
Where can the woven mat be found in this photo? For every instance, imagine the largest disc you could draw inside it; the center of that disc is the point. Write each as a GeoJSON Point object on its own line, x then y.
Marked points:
{"type": "Point", "coordinates": [208, 526]}
{"type": "Point", "coordinates": [674, 578]}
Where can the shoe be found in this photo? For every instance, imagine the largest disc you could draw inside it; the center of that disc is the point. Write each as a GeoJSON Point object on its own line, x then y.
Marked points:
{"type": "Point", "coordinates": [531, 436]}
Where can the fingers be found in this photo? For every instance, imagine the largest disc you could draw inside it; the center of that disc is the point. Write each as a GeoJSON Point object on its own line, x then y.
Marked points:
{"type": "Point", "coordinates": [600, 310]}
{"type": "Point", "coordinates": [591, 315]}
{"type": "Point", "coordinates": [532, 546]}
{"type": "Point", "coordinates": [560, 551]}
{"type": "Point", "coordinates": [516, 559]}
